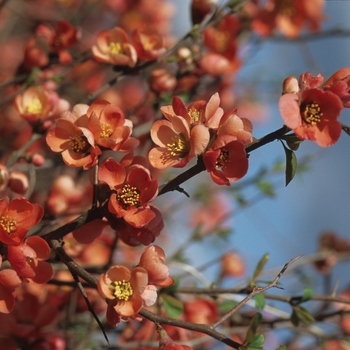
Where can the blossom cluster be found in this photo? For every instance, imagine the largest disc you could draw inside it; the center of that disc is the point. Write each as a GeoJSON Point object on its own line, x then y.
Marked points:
{"type": "Point", "coordinates": [202, 129]}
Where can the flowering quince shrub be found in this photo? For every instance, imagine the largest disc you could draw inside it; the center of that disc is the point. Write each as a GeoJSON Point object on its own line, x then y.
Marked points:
{"type": "Point", "coordinates": [105, 116]}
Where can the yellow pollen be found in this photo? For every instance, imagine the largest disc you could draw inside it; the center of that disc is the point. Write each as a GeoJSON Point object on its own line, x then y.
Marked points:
{"type": "Point", "coordinates": [115, 48]}
{"type": "Point", "coordinates": [194, 116]}
{"type": "Point", "coordinates": [311, 113]}
{"type": "Point", "coordinates": [179, 147]}
{"type": "Point", "coordinates": [79, 144]}
{"type": "Point", "coordinates": [106, 130]}
{"type": "Point", "coordinates": [222, 159]}
{"type": "Point", "coordinates": [122, 290]}
{"type": "Point", "coordinates": [129, 195]}
{"type": "Point", "coordinates": [8, 224]}
{"type": "Point", "coordinates": [34, 106]}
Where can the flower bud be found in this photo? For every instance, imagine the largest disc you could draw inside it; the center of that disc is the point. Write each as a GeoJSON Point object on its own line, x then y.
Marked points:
{"type": "Point", "coordinates": [18, 182]}
{"type": "Point", "coordinates": [290, 85]}
{"type": "Point", "coordinates": [232, 265]}
{"type": "Point", "coordinates": [161, 81]}
{"type": "Point", "coordinates": [4, 177]}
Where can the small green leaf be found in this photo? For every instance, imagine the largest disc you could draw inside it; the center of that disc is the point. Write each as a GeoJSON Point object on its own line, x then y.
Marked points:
{"type": "Point", "coordinates": [281, 347]}
{"type": "Point", "coordinates": [308, 294]}
{"type": "Point", "coordinates": [257, 342]}
{"type": "Point", "coordinates": [253, 326]}
{"type": "Point", "coordinates": [291, 164]}
{"type": "Point", "coordinates": [301, 314]}
{"type": "Point", "coordinates": [173, 307]}
{"type": "Point", "coordinates": [266, 188]}
{"type": "Point", "coordinates": [227, 306]}
{"type": "Point", "coordinates": [261, 264]}
{"type": "Point", "coordinates": [259, 301]}
{"type": "Point", "coordinates": [294, 318]}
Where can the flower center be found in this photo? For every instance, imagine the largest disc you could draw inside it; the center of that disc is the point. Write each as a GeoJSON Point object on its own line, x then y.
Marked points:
{"type": "Point", "coordinates": [8, 224]}
{"type": "Point", "coordinates": [79, 144]}
{"type": "Point", "coordinates": [115, 48]}
{"type": "Point", "coordinates": [122, 290]}
{"type": "Point", "coordinates": [311, 113]}
{"type": "Point", "coordinates": [222, 159]}
{"type": "Point", "coordinates": [194, 115]}
{"type": "Point", "coordinates": [179, 147]}
{"type": "Point", "coordinates": [106, 130]}
{"type": "Point", "coordinates": [129, 195]}
{"type": "Point", "coordinates": [34, 106]}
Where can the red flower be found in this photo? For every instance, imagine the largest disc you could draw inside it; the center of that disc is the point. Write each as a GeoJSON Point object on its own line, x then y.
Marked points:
{"type": "Point", "coordinates": [16, 217]}
{"type": "Point", "coordinates": [9, 281]}
{"type": "Point", "coordinates": [27, 259]}
{"type": "Point", "coordinates": [314, 117]}
{"type": "Point", "coordinates": [339, 83]}
{"type": "Point", "coordinates": [72, 137]}
{"type": "Point", "coordinates": [123, 288]}
{"type": "Point", "coordinates": [135, 189]}
{"type": "Point", "coordinates": [113, 47]}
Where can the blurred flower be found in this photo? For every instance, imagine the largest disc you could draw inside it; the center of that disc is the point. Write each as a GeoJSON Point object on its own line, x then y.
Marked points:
{"type": "Point", "coordinates": [148, 43]}
{"type": "Point", "coordinates": [201, 311]}
{"type": "Point", "coordinates": [161, 81]}
{"type": "Point", "coordinates": [16, 217]}
{"type": "Point", "coordinates": [232, 265]}
{"type": "Point", "coordinates": [27, 259]}
{"type": "Point", "coordinates": [113, 47]}
{"type": "Point", "coordinates": [200, 8]}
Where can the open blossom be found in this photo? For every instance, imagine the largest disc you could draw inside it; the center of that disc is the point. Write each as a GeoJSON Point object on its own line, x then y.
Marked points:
{"type": "Point", "coordinates": [28, 260]}
{"type": "Point", "coordinates": [38, 103]}
{"type": "Point", "coordinates": [16, 217]}
{"type": "Point", "coordinates": [339, 83]}
{"type": "Point", "coordinates": [312, 113]}
{"type": "Point", "coordinates": [9, 281]}
{"type": "Point", "coordinates": [109, 127]}
{"type": "Point", "coordinates": [134, 190]}
{"type": "Point", "coordinates": [113, 47]}
{"type": "Point", "coordinates": [72, 137]}
{"type": "Point", "coordinates": [148, 43]}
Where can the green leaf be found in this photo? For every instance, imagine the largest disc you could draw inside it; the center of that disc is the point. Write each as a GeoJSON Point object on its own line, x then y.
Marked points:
{"type": "Point", "coordinates": [259, 301]}
{"type": "Point", "coordinates": [266, 188]}
{"type": "Point", "coordinates": [291, 164]}
{"type": "Point", "coordinates": [257, 342]}
{"type": "Point", "coordinates": [301, 314]}
{"type": "Point", "coordinates": [308, 294]}
{"type": "Point", "coordinates": [261, 264]}
{"type": "Point", "coordinates": [227, 306]}
{"type": "Point", "coordinates": [294, 318]}
{"type": "Point", "coordinates": [293, 141]}
{"type": "Point", "coordinates": [253, 326]}
{"type": "Point", "coordinates": [281, 347]}
{"type": "Point", "coordinates": [173, 307]}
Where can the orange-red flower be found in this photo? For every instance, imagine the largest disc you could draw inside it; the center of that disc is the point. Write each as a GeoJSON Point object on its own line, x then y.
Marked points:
{"type": "Point", "coordinates": [134, 190]}
{"type": "Point", "coordinates": [313, 116]}
{"type": "Point", "coordinates": [148, 43]}
{"type": "Point", "coordinates": [27, 259]}
{"type": "Point", "coordinates": [38, 103]}
{"type": "Point", "coordinates": [339, 83]}
{"type": "Point", "coordinates": [113, 47]}
{"type": "Point", "coordinates": [16, 217]}
{"type": "Point", "coordinates": [109, 127]}
{"type": "Point", "coordinates": [72, 137]}
{"type": "Point", "coordinates": [123, 289]}
{"type": "Point", "coordinates": [9, 281]}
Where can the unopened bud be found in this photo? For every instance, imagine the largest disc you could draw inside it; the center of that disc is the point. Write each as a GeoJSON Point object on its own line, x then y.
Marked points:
{"type": "Point", "coordinates": [37, 159]}
{"type": "Point", "coordinates": [290, 85]}
{"type": "Point", "coordinates": [4, 177]}
{"type": "Point", "coordinates": [232, 265]}
{"type": "Point", "coordinates": [161, 81]}
{"type": "Point", "coordinates": [18, 182]}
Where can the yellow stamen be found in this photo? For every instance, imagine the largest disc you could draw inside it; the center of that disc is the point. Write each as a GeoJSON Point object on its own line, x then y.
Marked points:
{"type": "Point", "coordinates": [311, 113]}
{"type": "Point", "coordinates": [34, 106]}
{"type": "Point", "coordinates": [106, 130]}
{"type": "Point", "coordinates": [8, 224]}
{"type": "Point", "coordinates": [179, 146]}
{"type": "Point", "coordinates": [79, 144]}
{"type": "Point", "coordinates": [129, 195]}
{"type": "Point", "coordinates": [222, 159]}
{"type": "Point", "coordinates": [194, 116]}
{"type": "Point", "coordinates": [115, 48]}
{"type": "Point", "coordinates": [122, 290]}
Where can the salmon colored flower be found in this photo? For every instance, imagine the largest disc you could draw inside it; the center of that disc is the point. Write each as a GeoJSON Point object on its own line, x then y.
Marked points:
{"type": "Point", "coordinates": [203, 311]}
{"type": "Point", "coordinates": [226, 160]}
{"type": "Point", "coordinates": [289, 16]}
{"type": "Point", "coordinates": [232, 265]}
{"type": "Point", "coordinates": [16, 217]}
{"type": "Point", "coordinates": [38, 103]}
{"type": "Point", "coordinates": [27, 259]}
{"type": "Point", "coordinates": [109, 127]}
{"type": "Point", "coordinates": [9, 281]}
{"type": "Point", "coordinates": [314, 116]}
{"type": "Point", "coordinates": [72, 137]}
{"type": "Point", "coordinates": [152, 260]}
{"type": "Point", "coordinates": [134, 190]}
{"type": "Point", "coordinates": [113, 47]}
{"type": "Point", "coordinates": [339, 83]}
{"type": "Point", "coordinates": [148, 43]}
{"type": "Point", "coordinates": [123, 289]}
